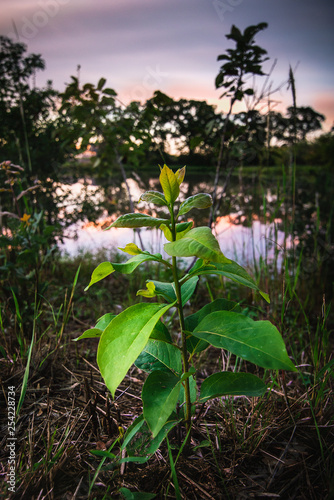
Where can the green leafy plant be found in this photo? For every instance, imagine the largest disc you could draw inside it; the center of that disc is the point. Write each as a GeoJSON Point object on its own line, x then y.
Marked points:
{"type": "Point", "coordinates": [138, 335]}
{"type": "Point", "coordinates": [27, 247]}
{"type": "Point", "coordinates": [243, 61]}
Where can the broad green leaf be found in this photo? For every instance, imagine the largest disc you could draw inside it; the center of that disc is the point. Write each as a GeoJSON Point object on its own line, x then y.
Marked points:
{"type": "Point", "coordinates": [256, 341]}
{"type": "Point", "coordinates": [160, 395]}
{"type": "Point", "coordinates": [193, 343]}
{"type": "Point", "coordinates": [101, 324]}
{"type": "Point", "coordinates": [199, 242]}
{"type": "Point", "coordinates": [102, 271]}
{"type": "Point", "coordinates": [159, 355]}
{"type": "Point", "coordinates": [149, 292]}
{"type": "Point", "coordinates": [187, 290]}
{"type": "Point", "coordinates": [170, 185]}
{"type": "Point", "coordinates": [137, 220]}
{"type": "Point", "coordinates": [167, 290]}
{"type": "Point", "coordinates": [124, 339]}
{"type": "Point", "coordinates": [192, 321]}
{"type": "Point", "coordinates": [130, 265]}
{"type": "Point", "coordinates": [97, 331]}
{"type": "Point", "coordinates": [127, 267]}
{"type": "Point", "coordinates": [233, 271]}
{"type": "Point", "coordinates": [154, 197]}
{"type": "Point", "coordinates": [104, 321]}
{"type": "Point", "coordinates": [200, 200]}
{"type": "Point", "coordinates": [160, 332]}
{"type": "Point", "coordinates": [231, 384]}
{"type": "Point", "coordinates": [181, 229]}
{"type": "Point", "coordinates": [131, 249]}
{"type": "Point", "coordinates": [92, 333]}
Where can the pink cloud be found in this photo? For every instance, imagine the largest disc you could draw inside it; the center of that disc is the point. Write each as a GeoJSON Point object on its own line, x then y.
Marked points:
{"type": "Point", "coordinates": [324, 104]}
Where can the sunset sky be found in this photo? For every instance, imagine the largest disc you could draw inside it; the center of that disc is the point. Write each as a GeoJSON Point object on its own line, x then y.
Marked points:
{"type": "Point", "coordinates": [144, 45]}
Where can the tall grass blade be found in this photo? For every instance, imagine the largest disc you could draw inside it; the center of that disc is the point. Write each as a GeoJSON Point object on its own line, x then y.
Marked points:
{"type": "Point", "coordinates": [173, 472]}
{"type": "Point", "coordinates": [26, 372]}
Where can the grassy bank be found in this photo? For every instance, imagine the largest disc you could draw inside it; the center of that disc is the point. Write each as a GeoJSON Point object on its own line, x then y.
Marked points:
{"type": "Point", "coordinates": [279, 445]}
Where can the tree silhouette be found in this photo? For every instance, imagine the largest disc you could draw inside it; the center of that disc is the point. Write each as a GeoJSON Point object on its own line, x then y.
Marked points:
{"type": "Point", "coordinates": [244, 60]}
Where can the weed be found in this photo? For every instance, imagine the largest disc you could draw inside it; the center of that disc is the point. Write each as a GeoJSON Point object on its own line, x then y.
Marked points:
{"type": "Point", "coordinates": [137, 336]}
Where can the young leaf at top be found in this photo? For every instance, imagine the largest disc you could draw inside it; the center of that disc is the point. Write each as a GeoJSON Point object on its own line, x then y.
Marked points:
{"type": "Point", "coordinates": [256, 341]}
{"type": "Point", "coordinates": [198, 242]}
{"type": "Point", "coordinates": [180, 173]}
{"type": "Point", "coordinates": [137, 220]}
{"type": "Point", "coordinates": [154, 197]}
{"type": "Point", "coordinates": [200, 200]}
{"type": "Point", "coordinates": [170, 184]}
{"type": "Point", "coordinates": [124, 339]}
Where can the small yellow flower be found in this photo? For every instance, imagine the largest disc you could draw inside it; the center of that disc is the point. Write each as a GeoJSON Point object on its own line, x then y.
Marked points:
{"type": "Point", "coordinates": [25, 219]}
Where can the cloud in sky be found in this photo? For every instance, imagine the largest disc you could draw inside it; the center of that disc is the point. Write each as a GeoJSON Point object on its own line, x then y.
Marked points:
{"type": "Point", "coordinates": [141, 46]}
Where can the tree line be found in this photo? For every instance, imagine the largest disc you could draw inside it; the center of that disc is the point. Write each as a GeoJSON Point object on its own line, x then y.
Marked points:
{"type": "Point", "coordinates": [43, 130]}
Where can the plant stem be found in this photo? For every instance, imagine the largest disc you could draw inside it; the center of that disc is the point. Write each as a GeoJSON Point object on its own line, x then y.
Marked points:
{"type": "Point", "coordinates": [184, 351]}
{"type": "Point", "coordinates": [185, 359]}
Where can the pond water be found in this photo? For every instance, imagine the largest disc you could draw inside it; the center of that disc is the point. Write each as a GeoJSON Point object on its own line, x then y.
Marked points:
{"type": "Point", "coordinates": [243, 244]}
{"type": "Point", "coordinates": [243, 233]}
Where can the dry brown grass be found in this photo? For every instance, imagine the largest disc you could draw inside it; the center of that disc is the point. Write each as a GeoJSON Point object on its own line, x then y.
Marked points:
{"type": "Point", "coordinates": [279, 446]}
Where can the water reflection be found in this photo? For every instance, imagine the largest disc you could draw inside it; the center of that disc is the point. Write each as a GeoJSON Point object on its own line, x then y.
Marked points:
{"type": "Point", "coordinates": [239, 243]}
{"type": "Point", "coordinates": [259, 212]}
{"type": "Point", "coordinates": [242, 235]}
